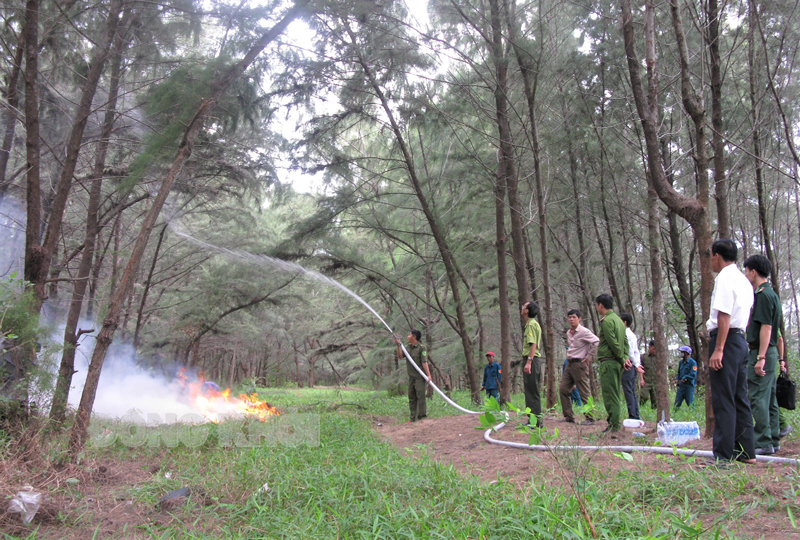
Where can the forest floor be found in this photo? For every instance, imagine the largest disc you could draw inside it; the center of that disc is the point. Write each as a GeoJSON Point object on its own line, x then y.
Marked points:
{"type": "Point", "coordinates": [440, 467]}
{"type": "Point", "coordinates": [459, 441]}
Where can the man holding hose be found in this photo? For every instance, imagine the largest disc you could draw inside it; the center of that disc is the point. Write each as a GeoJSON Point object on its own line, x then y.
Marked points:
{"type": "Point", "coordinates": [417, 404]}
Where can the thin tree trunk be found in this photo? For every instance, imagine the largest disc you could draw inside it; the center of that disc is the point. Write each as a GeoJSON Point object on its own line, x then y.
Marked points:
{"type": "Point", "coordinates": [659, 327]}
{"type": "Point", "coordinates": [717, 140]}
{"type": "Point", "coordinates": [218, 86]}
{"type": "Point", "coordinates": [693, 210]}
{"type": "Point", "coordinates": [757, 161]}
{"type": "Point", "coordinates": [67, 367]}
{"type": "Point", "coordinates": [146, 290]}
{"type": "Point", "coordinates": [438, 234]}
{"type": "Point", "coordinates": [82, 113]}
{"type": "Point", "coordinates": [530, 83]}
{"type": "Point", "coordinates": [33, 251]}
{"type": "Point", "coordinates": [686, 295]}
{"type": "Point", "coordinates": [9, 119]}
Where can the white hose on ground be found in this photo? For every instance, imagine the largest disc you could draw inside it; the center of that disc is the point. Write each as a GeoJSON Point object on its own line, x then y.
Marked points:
{"type": "Point", "coordinates": [629, 449]}
{"type": "Point", "coordinates": [585, 448]}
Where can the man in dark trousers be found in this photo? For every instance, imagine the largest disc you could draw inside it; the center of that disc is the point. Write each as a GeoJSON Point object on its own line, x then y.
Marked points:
{"type": "Point", "coordinates": [762, 367]}
{"type": "Point", "coordinates": [686, 377]}
{"type": "Point", "coordinates": [730, 310]}
{"type": "Point", "coordinates": [492, 376]}
{"type": "Point", "coordinates": [417, 404]}
{"type": "Point", "coordinates": [532, 363]}
{"type": "Point", "coordinates": [612, 355]}
{"type": "Point", "coordinates": [632, 377]}
{"type": "Point", "coordinates": [648, 390]}
{"type": "Point", "coordinates": [581, 347]}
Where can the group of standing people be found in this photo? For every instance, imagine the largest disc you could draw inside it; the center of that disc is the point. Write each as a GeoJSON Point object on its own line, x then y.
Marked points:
{"type": "Point", "coordinates": [743, 329]}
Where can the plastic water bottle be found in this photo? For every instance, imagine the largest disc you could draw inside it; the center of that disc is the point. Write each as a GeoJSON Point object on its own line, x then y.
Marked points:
{"type": "Point", "coordinates": [633, 423]}
{"type": "Point", "coordinates": [678, 433]}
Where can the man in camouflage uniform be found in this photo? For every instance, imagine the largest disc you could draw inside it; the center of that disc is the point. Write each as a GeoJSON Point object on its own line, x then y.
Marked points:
{"type": "Point", "coordinates": [417, 403]}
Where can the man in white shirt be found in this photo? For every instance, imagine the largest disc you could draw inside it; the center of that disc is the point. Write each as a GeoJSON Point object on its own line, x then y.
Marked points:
{"type": "Point", "coordinates": [730, 310]}
{"type": "Point", "coordinates": [634, 374]}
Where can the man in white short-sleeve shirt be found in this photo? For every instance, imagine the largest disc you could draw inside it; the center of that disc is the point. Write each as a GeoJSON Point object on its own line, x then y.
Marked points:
{"type": "Point", "coordinates": [730, 310]}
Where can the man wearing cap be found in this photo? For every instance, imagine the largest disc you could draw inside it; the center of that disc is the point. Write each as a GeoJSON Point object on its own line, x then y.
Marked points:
{"type": "Point", "coordinates": [492, 375]}
{"type": "Point", "coordinates": [686, 378]}
{"type": "Point", "coordinates": [731, 301]}
{"type": "Point", "coordinates": [762, 366]}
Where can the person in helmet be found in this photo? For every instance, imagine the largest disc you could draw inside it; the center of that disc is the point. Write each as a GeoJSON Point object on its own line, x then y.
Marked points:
{"type": "Point", "coordinates": [687, 377]}
{"type": "Point", "coordinates": [492, 375]}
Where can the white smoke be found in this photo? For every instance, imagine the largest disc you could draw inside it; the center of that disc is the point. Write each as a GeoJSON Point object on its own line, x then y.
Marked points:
{"type": "Point", "coordinates": [127, 390]}
{"type": "Point", "coordinates": [12, 233]}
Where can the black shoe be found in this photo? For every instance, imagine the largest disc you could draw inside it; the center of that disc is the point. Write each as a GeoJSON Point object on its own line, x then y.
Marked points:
{"type": "Point", "coordinates": [566, 420]}
{"type": "Point", "coordinates": [768, 451]}
{"type": "Point", "coordinates": [785, 431]}
{"type": "Point", "coordinates": [610, 429]}
{"type": "Point", "coordinates": [587, 422]}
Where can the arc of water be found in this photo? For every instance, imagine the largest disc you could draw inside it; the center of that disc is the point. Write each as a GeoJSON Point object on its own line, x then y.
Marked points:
{"type": "Point", "coordinates": [294, 267]}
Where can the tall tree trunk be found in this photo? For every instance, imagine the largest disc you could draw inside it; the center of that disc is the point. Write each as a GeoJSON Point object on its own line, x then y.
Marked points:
{"type": "Point", "coordinates": [659, 327]}
{"type": "Point", "coordinates": [686, 295]}
{"type": "Point", "coordinates": [67, 367]}
{"type": "Point", "coordinates": [502, 279]}
{"type": "Point", "coordinates": [757, 160]}
{"type": "Point", "coordinates": [693, 210]}
{"type": "Point", "coordinates": [717, 139]}
{"type": "Point", "coordinates": [9, 118]}
{"type": "Point", "coordinates": [509, 167]}
{"type": "Point", "coordinates": [218, 86]}
{"type": "Point", "coordinates": [506, 182]}
{"type": "Point", "coordinates": [33, 251]}
{"type": "Point", "coordinates": [438, 234]}
{"type": "Point", "coordinates": [530, 83]}
{"type": "Point", "coordinates": [583, 272]}
{"type": "Point", "coordinates": [73, 149]}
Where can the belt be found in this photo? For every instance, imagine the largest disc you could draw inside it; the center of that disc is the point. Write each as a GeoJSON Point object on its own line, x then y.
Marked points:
{"type": "Point", "coordinates": [601, 360]}
{"type": "Point", "coordinates": [730, 331]}
{"type": "Point", "coordinates": [575, 359]}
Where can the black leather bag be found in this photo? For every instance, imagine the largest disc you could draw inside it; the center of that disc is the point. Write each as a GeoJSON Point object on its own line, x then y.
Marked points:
{"type": "Point", "coordinates": [786, 392]}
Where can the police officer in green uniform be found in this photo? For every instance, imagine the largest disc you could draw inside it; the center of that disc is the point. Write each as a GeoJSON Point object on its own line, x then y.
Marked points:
{"type": "Point", "coordinates": [612, 355]}
{"type": "Point", "coordinates": [762, 365]}
{"type": "Point", "coordinates": [417, 404]}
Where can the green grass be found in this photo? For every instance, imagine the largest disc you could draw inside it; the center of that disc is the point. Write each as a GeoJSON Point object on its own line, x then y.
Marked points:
{"type": "Point", "coordinates": [355, 485]}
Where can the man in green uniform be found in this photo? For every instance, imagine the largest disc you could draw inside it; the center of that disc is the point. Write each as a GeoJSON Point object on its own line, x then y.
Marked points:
{"type": "Point", "coordinates": [612, 355]}
{"type": "Point", "coordinates": [649, 388]}
{"type": "Point", "coordinates": [532, 363]}
{"type": "Point", "coordinates": [417, 404]}
{"type": "Point", "coordinates": [762, 366]}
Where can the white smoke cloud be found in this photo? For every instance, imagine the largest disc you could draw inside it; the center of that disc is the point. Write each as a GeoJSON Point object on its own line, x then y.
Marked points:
{"type": "Point", "coordinates": [127, 390]}
{"type": "Point", "coordinates": [12, 233]}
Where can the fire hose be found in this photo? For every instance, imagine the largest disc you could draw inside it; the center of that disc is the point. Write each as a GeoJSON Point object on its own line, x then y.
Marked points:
{"type": "Point", "coordinates": [584, 448]}
{"type": "Point", "coordinates": [296, 268]}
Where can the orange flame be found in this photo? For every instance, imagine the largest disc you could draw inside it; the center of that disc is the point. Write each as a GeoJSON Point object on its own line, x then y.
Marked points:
{"type": "Point", "coordinates": [216, 404]}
